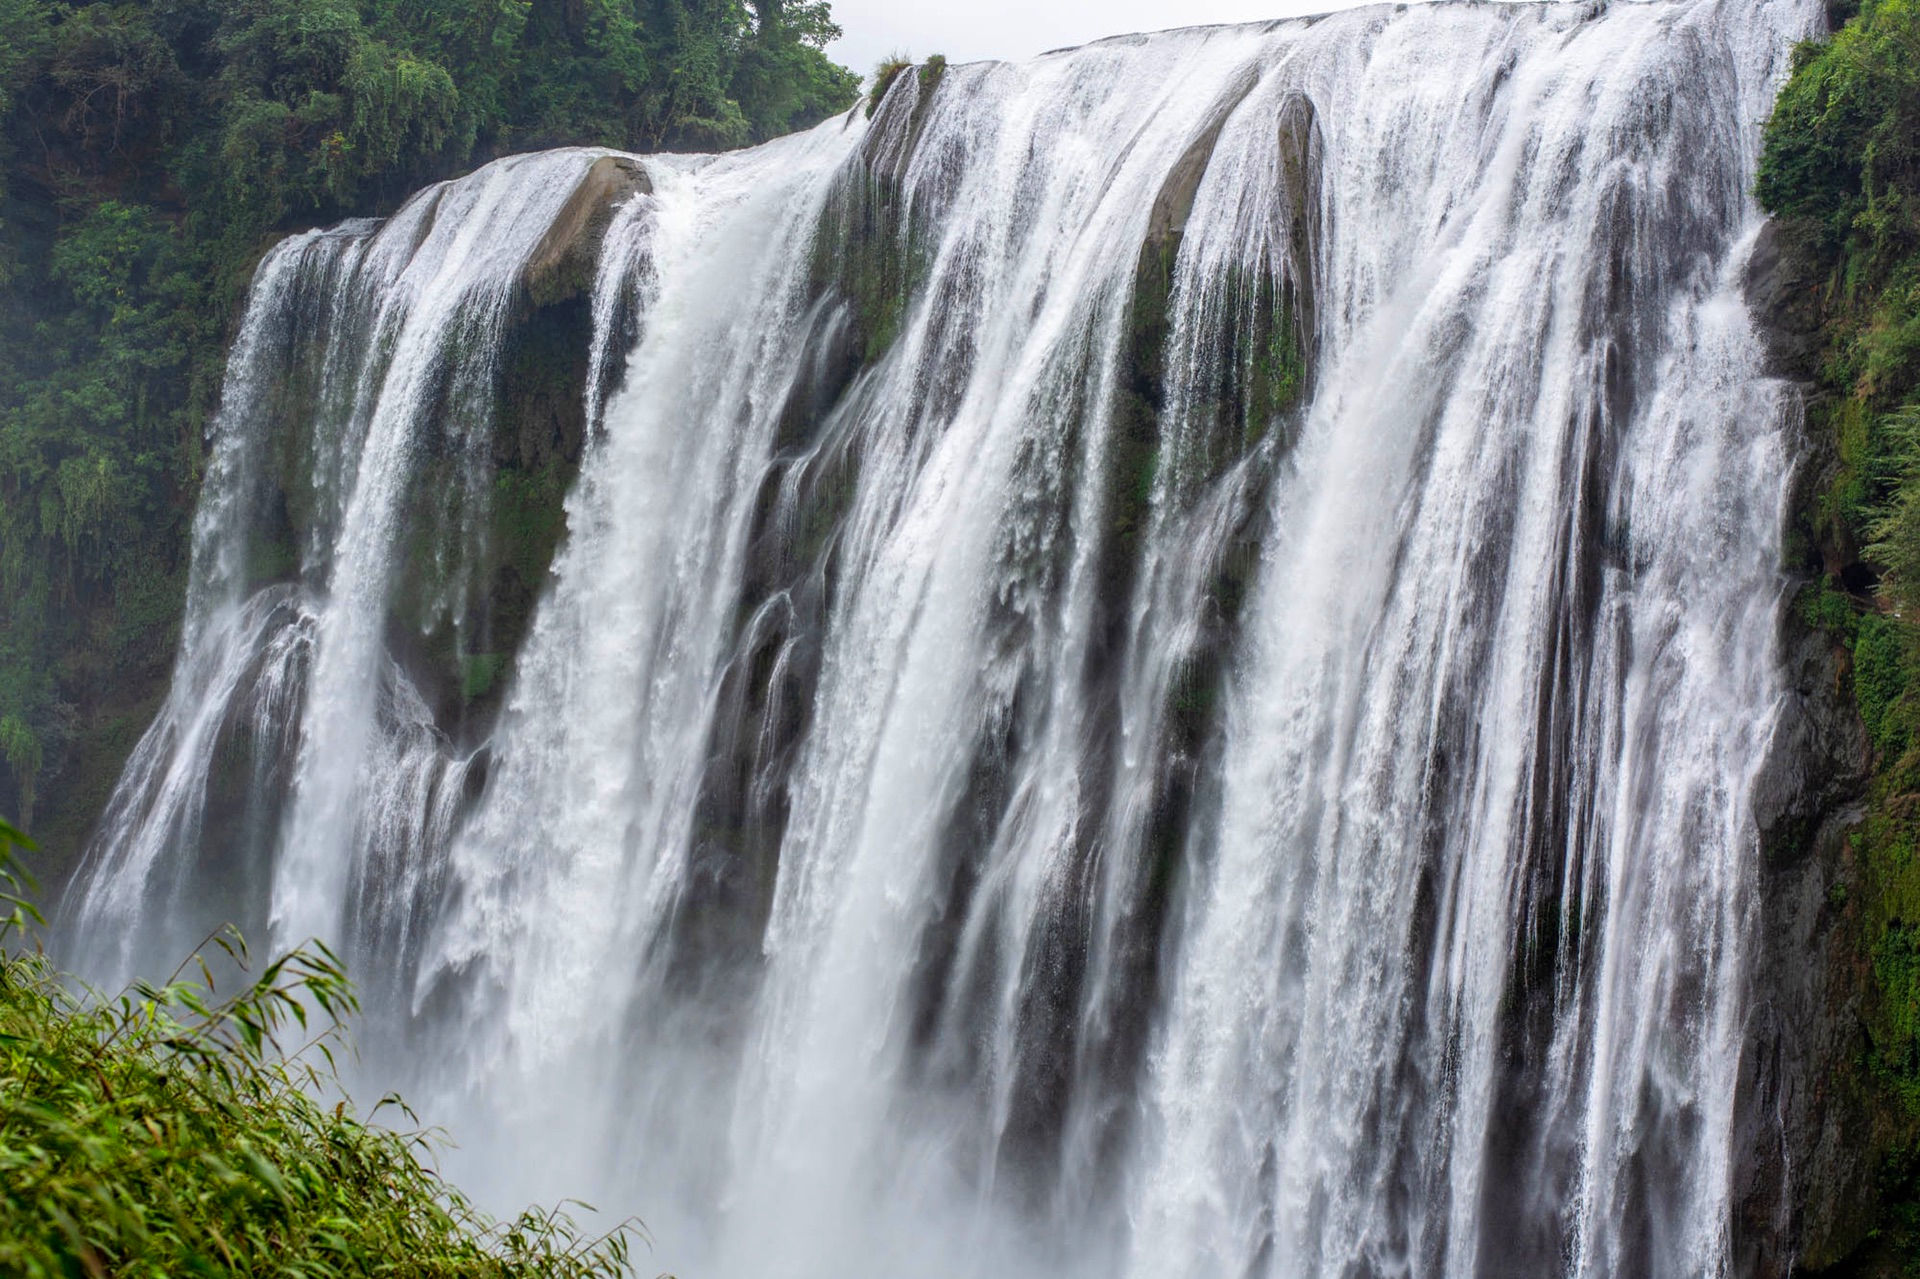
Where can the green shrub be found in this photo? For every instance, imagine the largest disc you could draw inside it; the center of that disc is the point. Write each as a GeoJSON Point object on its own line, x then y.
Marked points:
{"type": "Point", "coordinates": [171, 1132]}
{"type": "Point", "coordinates": [1880, 675]}
{"type": "Point", "coordinates": [1843, 145]}
{"type": "Point", "coordinates": [889, 70]}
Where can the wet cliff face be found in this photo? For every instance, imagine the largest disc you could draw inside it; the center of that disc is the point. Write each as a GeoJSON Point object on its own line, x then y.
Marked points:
{"type": "Point", "coordinates": [484, 511]}
{"type": "Point", "coordinates": [1809, 1134]}
{"type": "Point", "coordinates": [484, 506]}
{"type": "Point", "coordinates": [1819, 1128]}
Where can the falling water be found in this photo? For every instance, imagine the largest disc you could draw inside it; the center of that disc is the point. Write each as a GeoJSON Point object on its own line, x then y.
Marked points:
{"type": "Point", "coordinates": [1155, 666]}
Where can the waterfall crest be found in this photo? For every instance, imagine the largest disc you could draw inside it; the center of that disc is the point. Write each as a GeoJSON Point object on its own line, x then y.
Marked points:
{"type": "Point", "coordinates": [1150, 662]}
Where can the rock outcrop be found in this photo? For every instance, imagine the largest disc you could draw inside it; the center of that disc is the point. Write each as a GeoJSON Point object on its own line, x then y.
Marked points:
{"type": "Point", "coordinates": [1803, 1190]}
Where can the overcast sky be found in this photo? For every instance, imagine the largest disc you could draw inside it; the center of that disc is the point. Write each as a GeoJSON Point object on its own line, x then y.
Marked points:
{"type": "Point", "coordinates": [966, 30]}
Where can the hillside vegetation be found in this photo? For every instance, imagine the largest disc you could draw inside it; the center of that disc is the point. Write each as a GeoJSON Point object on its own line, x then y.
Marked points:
{"type": "Point", "coordinates": [149, 153]}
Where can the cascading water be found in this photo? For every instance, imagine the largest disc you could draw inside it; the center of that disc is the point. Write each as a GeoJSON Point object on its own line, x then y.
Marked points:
{"type": "Point", "coordinates": [1155, 666]}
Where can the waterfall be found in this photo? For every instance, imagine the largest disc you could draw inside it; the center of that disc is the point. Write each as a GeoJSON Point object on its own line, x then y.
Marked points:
{"type": "Point", "coordinates": [1149, 662]}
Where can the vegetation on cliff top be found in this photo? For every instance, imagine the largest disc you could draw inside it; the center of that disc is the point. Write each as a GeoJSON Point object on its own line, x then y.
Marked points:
{"type": "Point", "coordinates": [166, 1132]}
{"type": "Point", "coordinates": [1841, 168]}
{"type": "Point", "coordinates": [148, 154]}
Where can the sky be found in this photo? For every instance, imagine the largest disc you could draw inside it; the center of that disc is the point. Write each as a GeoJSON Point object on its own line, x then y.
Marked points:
{"type": "Point", "coordinates": [966, 30]}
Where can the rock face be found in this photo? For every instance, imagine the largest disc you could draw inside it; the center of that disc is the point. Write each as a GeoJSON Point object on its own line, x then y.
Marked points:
{"type": "Point", "coordinates": [1804, 1187]}
{"type": "Point", "coordinates": [563, 265]}
{"type": "Point", "coordinates": [1783, 294]}
{"type": "Point", "coordinates": [457, 638]}
{"type": "Point", "coordinates": [1805, 1122]}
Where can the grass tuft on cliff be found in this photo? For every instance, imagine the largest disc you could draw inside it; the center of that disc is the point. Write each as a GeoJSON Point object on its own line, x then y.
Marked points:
{"type": "Point", "coordinates": [171, 1131]}
{"type": "Point", "coordinates": [890, 69]}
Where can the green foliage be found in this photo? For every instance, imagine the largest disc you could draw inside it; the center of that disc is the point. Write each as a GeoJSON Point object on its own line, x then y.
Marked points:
{"type": "Point", "coordinates": [1823, 607]}
{"type": "Point", "coordinates": [150, 152]}
{"type": "Point", "coordinates": [1843, 146]}
{"type": "Point", "coordinates": [20, 748]}
{"type": "Point", "coordinates": [889, 70]}
{"type": "Point", "coordinates": [1896, 970]}
{"type": "Point", "coordinates": [1894, 524]}
{"type": "Point", "coordinates": [781, 78]}
{"type": "Point", "coordinates": [1278, 374]}
{"type": "Point", "coordinates": [479, 672]}
{"type": "Point", "coordinates": [1880, 679]}
{"type": "Point", "coordinates": [1841, 168]}
{"type": "Point", "coordinates": [169, 1131]}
